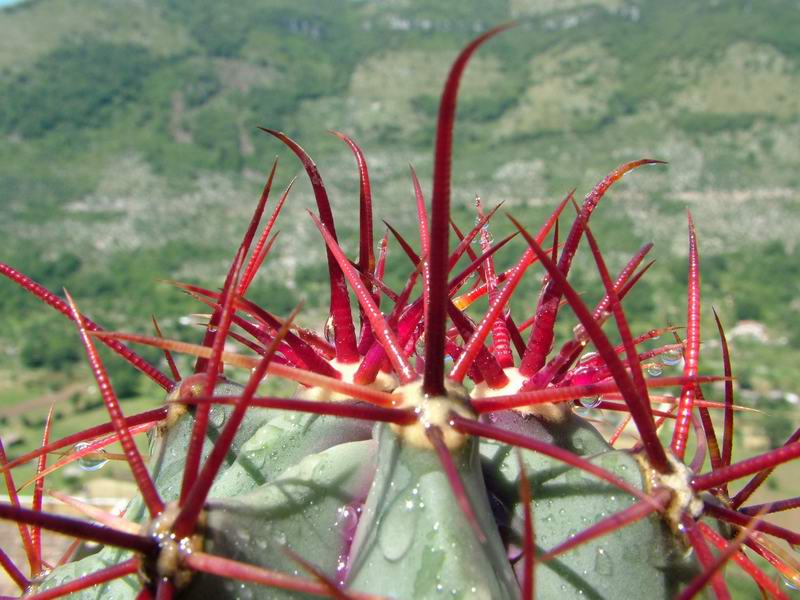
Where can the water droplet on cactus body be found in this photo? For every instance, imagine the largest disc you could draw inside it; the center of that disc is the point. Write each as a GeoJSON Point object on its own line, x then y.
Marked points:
{"type": "Point", "coordinates": [592, 402]}
{"type": "Point", "coordinates": [90, 462]}
{"type": "Point", "coordinates": [673, 357]}
{"type": "Point", "coordinates": [398, 528]}
{"type": "Point", "coordinates": [602, 562]}
{"type": "Point", "coordinates": [328, 329]}
{"type": "Point", "coordinates": [217, 417]}
{"type": "Point", "coordinates": [588, 356]}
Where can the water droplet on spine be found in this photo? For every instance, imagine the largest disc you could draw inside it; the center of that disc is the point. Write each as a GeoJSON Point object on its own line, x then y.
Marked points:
{"type": "Point", "coordinates": [92, 461]}
{"type": "Point", "coordinates": [672, 358]}
{"type": "Point", "coordinates": [655, 369]}
{"type": "Point", "coordinates": [791, 583]}
{"type": "Point", "coordinates": [328, 329]}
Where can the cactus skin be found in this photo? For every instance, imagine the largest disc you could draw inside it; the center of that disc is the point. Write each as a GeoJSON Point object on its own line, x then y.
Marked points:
{"type": "Point", "coordinates": [370, 512]}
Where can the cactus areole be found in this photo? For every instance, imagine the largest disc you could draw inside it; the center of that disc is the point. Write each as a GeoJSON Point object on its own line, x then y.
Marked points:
{"type": "Point", "coordinates": [388, 474]}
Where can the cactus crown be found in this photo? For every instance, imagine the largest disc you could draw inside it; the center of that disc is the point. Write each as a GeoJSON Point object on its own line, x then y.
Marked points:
{"type": "Point", "coordinates": [386, 476]}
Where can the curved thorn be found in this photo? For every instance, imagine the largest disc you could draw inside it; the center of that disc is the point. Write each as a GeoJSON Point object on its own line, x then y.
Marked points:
{"type": "Point", "coordinates": [461, 367]}
{"type": "Point", "coordinates": [38, 492]}
{"type": "Point", "coordinates": [262, 247]}
{"type": "Point", "coordinates": [379, 326]}
{"type": "Point", "coordinates": [727, 435]}
{"type": "Point", "coordinates": [547, 308]}
{"type": "Point", "coordinates": [366, 254]}
{"type": "Point", "coordinates": [250, 233]}
{"type": "Point", "coordinates": [435, 325]}
{"type": "Point", "coordinates": [692, 353]}
{"type": "Point", "coordinates": [642, 414]}
{"type": "Point", "coordinates": [344, 330]}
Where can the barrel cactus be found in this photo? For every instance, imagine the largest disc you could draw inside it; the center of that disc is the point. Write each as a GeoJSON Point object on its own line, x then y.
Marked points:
{"type": "Point", "coordinates": [414, 460]}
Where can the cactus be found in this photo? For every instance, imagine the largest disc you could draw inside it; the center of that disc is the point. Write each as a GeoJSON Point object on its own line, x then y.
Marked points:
{"type": "Point", "coordinates": [388, 475]}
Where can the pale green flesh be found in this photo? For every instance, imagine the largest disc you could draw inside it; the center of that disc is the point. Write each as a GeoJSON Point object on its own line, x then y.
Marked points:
{"type": "Point", "coordinates": [289, 476]}
{"type": "Point", "coordinates": [414, 542]}
{"type": "Point", "coordinates": [641, 560]}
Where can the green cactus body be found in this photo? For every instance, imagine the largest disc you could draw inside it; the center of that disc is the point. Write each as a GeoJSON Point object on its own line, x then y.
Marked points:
{"type": "Point", "coordinates": [644, 559]}
{"type": "Point", "coordinates": [301, 511]}
{"type": "Point", "coordinates": [413, 542]}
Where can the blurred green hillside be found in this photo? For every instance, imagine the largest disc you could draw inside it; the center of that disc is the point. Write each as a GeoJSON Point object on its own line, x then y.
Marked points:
{"type": "Point", "coordinates": [130, 151]}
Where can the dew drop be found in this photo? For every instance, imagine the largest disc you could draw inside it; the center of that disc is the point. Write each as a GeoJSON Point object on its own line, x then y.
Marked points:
{"type": "Point", "coordinates": [790, 582]}
{"type": "Point", "coordinates": [217, 417]}
{"type": "Point", "coordinates": [329, 334]}
{"type": "Point", "coordinates": [592, 402]}
{"type": "Point", "coordinates": [90, 462]}
{"type": "Point", "coordinates": [602, 562]}
{"type": "Point", "coordinates": [588, 356]}
{"type": "Point", "coordinates": [397, 529]}
{"type": "Point", "coordinates": [655, 369]}
{"type": "Point", "coordinates": [672, 358]}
